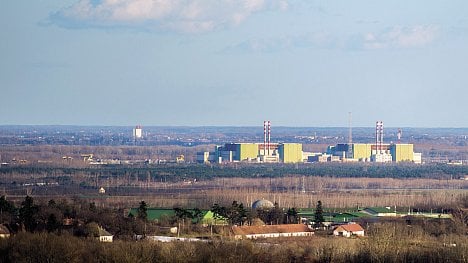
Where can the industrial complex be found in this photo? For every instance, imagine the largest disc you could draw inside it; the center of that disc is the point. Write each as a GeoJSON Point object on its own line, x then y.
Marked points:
{"type": "Point", "coordinates": [365, 152]}
{"type": "Point", "coordinates": [268, 152]}
{"type": "Point", "coordinates": [265, 152]}
{"type": "Point", "coordinates": [254, 152]}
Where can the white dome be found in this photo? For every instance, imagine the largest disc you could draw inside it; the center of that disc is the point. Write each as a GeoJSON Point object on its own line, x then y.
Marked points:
{"type": "Point", "coordinates": [262, 204]}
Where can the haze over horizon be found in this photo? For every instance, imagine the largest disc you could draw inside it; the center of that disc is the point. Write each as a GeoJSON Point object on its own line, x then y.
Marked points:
{"type": "Point", "coordinates": [297, 63]}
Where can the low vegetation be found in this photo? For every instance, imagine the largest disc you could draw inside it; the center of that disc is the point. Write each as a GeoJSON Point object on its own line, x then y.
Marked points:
{"type": "Point", "coordinates": [386, 243]}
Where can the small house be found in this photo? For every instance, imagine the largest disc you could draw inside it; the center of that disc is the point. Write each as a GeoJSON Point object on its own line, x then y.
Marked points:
{"type": "Point", "coordinates": [349, 230]}
{"type": "Point", "coordinates": [105, 236]}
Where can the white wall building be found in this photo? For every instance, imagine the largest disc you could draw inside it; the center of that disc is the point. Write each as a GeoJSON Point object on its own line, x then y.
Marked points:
{"type": "Point", "coordinates": [105, 236]}
{"type": "Point", "coordinates": [266, 231]}
{"type": "Point", "coordinates": [349, 230]}
{"type": "Point", "coordinates": [137, 132]}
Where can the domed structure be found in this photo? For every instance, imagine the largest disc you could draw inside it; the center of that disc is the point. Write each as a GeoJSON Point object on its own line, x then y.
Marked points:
{"type": "Point", "coordinates": [257, 222]}
{"type": "Point", "coordinates": [262, 204]}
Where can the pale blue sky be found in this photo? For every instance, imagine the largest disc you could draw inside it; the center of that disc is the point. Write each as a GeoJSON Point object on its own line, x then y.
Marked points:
{"type": "Point", "coordinates": [224, 62]}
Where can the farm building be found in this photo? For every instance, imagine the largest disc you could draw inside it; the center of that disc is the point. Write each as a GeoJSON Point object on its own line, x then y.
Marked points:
{"type": "Point", "coordinates": [266, 231]}
{"type": "Point", "coordinates": [380, 211]}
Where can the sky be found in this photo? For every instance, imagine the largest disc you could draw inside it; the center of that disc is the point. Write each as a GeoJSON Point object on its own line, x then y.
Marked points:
{"type": "Point", "coordinates": [234, 62]}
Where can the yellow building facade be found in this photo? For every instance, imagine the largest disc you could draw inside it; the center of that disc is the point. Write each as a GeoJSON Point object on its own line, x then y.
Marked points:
{"type": "Point", "coordinates": [290, 152]}
{"type": "Point", "coordinates": [362, 151]}
{"type": "Point", "coordinates": [247, 151]}
{"type": "Point", "coordinates": [402, 152]}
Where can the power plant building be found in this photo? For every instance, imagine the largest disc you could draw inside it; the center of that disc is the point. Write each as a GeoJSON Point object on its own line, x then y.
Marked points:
{"type": "Point", "coordinates": [290, 152]}
{"type": "Point", "coordinates": [376, 153]}
{"type": "Point", "coordinates": [254, 152]}
{"type": "Point", "coordinates": [361, 151]}
{"type": "Point", "coordinates": [402, 152]}
{"type": "Point", "coordinates": [268, 152]}
{"type": "Point", "coordinates": [240, 151]}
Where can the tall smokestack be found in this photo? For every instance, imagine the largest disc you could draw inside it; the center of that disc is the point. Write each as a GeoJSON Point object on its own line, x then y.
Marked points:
{"type": "Point", "coordinates": [381, 135]}
{"type": "Point", "coordinates": [269, 136]}
{"type": "Point", "coordinates": [376, 136]}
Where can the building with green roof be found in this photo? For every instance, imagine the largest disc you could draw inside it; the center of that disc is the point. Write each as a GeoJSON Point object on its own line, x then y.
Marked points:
{"type": "Point", "coordinates": [157, 214]}
{"type": "Point", "coordinates": [380, 211]}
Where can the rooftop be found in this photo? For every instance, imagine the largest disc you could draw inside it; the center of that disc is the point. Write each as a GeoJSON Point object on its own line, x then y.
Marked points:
{"type": "Point", "coordinates": [268, 229]}
{"type": "Point", "coordinates": [352, 227]}
{"type": "Point", "coordinates": [103, 232]}
{"type": "Point", "coordinates": [4, 230]}
{"type": "Point", "coordinates": [380, 209]}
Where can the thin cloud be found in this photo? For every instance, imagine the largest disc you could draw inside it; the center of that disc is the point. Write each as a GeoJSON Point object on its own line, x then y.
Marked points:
{"type": "Point", "coordinates": [399, 37]}
{"type": "Point", "coordinates": [191, 16]}
{"type": "Point", "coordinates": [393, 38]}
{"type": "Point", "coordinates": [277, 44]}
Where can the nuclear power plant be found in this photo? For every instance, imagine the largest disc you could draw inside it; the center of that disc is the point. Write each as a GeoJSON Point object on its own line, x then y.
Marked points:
{"type": "Point", "coordinates": [268, 152]}
{"type": "Point", "coordinates": [378, 152]}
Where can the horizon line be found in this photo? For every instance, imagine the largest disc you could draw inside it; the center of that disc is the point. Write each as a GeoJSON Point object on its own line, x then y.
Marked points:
{"type": "Point", "coordinates": [223, 126]}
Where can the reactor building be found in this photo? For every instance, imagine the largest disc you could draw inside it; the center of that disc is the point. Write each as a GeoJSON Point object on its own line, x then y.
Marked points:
{"type": "Point", "coordinates": [378, 151]}
{"type": "Point", "coordinates": [367, 152]}
{"type": "Point", "coordinates": [266, 152]}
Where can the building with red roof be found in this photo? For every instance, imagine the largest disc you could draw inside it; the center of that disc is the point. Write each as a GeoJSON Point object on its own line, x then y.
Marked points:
{"type": "Point", "coordinates": [349, 230]}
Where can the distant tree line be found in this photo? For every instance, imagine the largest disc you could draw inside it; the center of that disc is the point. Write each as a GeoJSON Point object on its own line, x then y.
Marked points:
{"type": "Point", "coordinates": [171, 172]}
